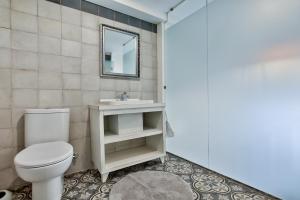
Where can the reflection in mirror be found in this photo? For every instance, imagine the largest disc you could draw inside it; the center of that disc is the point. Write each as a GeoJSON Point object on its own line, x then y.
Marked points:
{"type": "Point", "coordinates": [120, 53]}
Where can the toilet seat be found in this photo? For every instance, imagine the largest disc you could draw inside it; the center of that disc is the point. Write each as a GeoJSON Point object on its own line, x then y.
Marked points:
{"type": "Point", "coordinates": [43, 154]}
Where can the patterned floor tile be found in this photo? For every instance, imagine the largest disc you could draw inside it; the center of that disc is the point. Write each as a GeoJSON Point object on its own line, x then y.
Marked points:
{"type": "Point", "coordinates": [205, 184]}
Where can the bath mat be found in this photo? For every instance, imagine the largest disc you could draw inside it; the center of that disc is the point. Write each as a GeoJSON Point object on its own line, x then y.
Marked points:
{"type": "Point", "coordinates": [151, 185]}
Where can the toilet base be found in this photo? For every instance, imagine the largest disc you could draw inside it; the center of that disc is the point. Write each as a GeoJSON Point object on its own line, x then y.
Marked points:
{"type": "Point", "coordinates": [51, 189]}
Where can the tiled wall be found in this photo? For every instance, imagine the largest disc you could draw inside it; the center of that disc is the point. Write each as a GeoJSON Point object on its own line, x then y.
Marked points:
{"type": "Point", "coordinates": [107, 13]}
{"type": "Point", "coordinates": [49, 57]}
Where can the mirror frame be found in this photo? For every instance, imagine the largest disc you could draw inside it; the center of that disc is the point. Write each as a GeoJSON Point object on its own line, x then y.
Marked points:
{"type": "Point", "coordinates": [136, 76]}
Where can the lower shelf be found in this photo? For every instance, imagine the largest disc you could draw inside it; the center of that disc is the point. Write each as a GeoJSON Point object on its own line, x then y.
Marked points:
{"type": "Point", "coordinates": [111, 138]}
{"type": "Point", "coordinates": [120, 159]}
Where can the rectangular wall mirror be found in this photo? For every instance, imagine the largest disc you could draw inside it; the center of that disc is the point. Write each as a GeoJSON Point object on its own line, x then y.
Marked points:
{"type": "Point", "coordinates": [120, 53]}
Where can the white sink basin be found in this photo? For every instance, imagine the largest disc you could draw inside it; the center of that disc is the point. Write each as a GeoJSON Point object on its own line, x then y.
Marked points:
{"type": "Point", "coordinates": [128, 102]}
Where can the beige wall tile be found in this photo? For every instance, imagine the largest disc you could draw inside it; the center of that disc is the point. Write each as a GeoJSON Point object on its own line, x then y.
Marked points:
{"type": "Point", "coordinates": [135, 86]}
{"type": "Point", "coordinates": [89, 66]}
{"type": "Point", "coordinates": [75, 114]}
{"type": "Point", "coordinates": [134, 29]}
{"type": "Point", "coordinates": [49, 63]}
{"type": "Point", "coordinates": [5, 58]}
{"type": "Point", "coordinates": [107, 84]}
{"type": "Point", "coordinates": [153, 38]}
{"type": "Point", "coordinates": [154, 62]}
{"type": "Point", "coordinates": [71, 81]}
{"type": "Point", "coordinates": [77, 130]}
{"type": "Point", "coordinates": [122, 86]}
{"type": "Point", "coordinates": [50, 98]}
{"type": "Point", "coordinates": [103, 20]}
{"type": "Point", "coordinates": [135, 95]}
{"type": "Point", "coordinates": [18, 137]}
{"type": "Point", "coordinates": [108, 94]}
{"type": "Point", "coordinates": [72, 98]}
{"type": "Point", "coordinates": [23, 22]}
{"type": "Point", "coordinates": [6, 156]}
{"type": "Point", "coordinates": [81, 146]}
{"type": "Point", "coordinates": [6, 140]}
{"type": "Point", "coordinates": [18, 134]}
{"type": "Point", "coordinates": [71, 48]}
{"type": "Point", "coordinates": [149, 73]}
{"type": "Point", "coordinates": [146, 60]}
{"type": "Point", "coordinates": [85, 114]}
{"type": "Point", "coordinates": [49, 10]}
{"type": "Point", "coordinates": [49, 45]}
{"type": "Point", "coordinates": [90, 52]}
{"type": "Point", "coordinates": [154, 49]}
{"type": "Point", "coordinates": [5, 3]}
{"type": "Point", "coordinates": [27, 6]}
{"type": "Point", "coordinates": [120, 25]}
{"type": "Point", "coordinates": [18, 130]}
{"type": "Point", "coordinates": [24, 41]}
{"type": "Point", "coordinates": [148, 85]}
{"type": "Point", "coordinates": [146, 49]}
{"type": "Point", "coordinates": [5, 78]}
{"type": "Point", "coordinates": [5, 37]}
{"type": "Point", "coordinates": [146, 36]}
{"type": "Point", "coordinates": [148, 96]}
{"type": "Point", "coordinates": [4, 17]}
{"type": "Point", "coordinates": [18, 117]}
{"type": "Point", "coordinates": [71, 65]}
{"type": "Point", "coordinates": [24, 98]}
{"type": "Point", "coordinates": [90, 21]}
{"type": "Point", "coordinates": [5, 98]}
{"type": "Point", "coordinates": [71, 32]}
{"type": "Point", "coordinates": [24, 60]}
{"type": "Point", "coordinates": [50, 80]}
{"type": "Point", "coordinates": [89, 82]}
{"type": "Point", "coordinates": [90, 36]}
{"type": "Point", "coordinates": [24, 79]}
{"type": "Point", "coordinates": [71, 16]}
{"type": "Point", "coordinates": [5, 118]}
{"type": "Point", "coordinates": [90, 97]}
{"type": "Point", "coordinates": [8, 176]}
{"type": "Point", "coordinates": [49, 27]}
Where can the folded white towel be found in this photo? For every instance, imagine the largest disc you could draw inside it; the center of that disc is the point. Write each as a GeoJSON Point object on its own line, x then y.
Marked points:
{"type": "Point", "coordinates": [170, 132]}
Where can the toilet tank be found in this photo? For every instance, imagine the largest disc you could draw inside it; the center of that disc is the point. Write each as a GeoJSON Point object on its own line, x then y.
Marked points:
{"type": "Point", "coordinates": [46, 125]}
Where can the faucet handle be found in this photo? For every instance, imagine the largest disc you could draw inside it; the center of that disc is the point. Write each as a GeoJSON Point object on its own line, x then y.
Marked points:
{"type": "Point", "coordinates": [124, 96]}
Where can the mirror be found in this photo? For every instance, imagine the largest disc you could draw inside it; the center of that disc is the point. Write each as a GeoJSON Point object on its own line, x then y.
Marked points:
{"type": "Point", "coordinates": [120, 53]}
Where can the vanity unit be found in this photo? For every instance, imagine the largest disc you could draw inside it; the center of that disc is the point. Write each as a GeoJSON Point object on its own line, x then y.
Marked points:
{"type": "Point", "coordinates": [125, 134]}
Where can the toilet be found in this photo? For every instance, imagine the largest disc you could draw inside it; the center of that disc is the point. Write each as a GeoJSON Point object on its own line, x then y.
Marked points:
{"type": "Point", "coordinates": [47, 155]}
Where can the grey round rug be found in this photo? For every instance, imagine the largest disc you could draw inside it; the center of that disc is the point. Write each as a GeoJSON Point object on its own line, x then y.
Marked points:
{"type": "Point", "coordinates": [151, 185]}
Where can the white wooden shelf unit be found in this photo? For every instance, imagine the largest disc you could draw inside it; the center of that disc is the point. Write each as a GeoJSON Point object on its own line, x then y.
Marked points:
{"type": "Point", "coordinates": [113, 150]}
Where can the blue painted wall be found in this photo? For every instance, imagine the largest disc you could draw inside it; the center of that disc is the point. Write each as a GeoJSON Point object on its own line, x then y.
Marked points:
{"type": "Point", "coordinates": [246, 125]}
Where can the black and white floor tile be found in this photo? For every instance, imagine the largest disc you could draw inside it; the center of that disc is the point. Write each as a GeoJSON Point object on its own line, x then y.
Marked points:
{"type": "Point", "coordinates": [205, 184]}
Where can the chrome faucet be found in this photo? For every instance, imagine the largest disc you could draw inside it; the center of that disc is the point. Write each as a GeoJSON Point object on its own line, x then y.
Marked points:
{"type": "Point", "coordinates": [124, 96]}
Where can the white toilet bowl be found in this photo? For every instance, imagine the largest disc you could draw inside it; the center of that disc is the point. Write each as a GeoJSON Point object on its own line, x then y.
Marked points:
{"type": "Point", "coordinates": [44, 165]}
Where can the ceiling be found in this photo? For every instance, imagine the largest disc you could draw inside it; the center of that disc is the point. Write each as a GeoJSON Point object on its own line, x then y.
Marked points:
{"type": "Point", "coordinates": [154, 11]}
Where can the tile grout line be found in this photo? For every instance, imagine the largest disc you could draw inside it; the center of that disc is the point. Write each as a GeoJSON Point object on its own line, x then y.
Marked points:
{"type": "Point", "coordinates": [11, 71]}
{"type": "Point", "coordinates": [9, 108]}
{"type": "Point", "coordinates": [38, 48]}
{"type": "Point", "coordinates": [61, 64]}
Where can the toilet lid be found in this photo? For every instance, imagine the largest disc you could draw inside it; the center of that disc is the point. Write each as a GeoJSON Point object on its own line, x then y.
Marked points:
{"type": "Point", "coordinates": [43, 154]}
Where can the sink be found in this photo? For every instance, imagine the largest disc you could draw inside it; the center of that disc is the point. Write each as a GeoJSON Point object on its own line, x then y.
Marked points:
{"type": "Point", "coordinates": [127, 102]}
